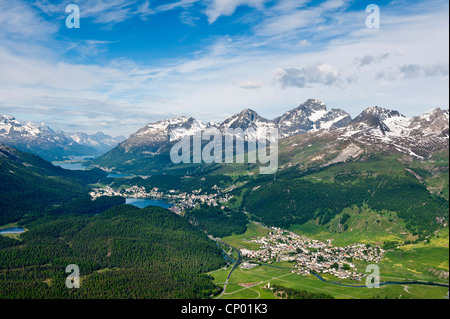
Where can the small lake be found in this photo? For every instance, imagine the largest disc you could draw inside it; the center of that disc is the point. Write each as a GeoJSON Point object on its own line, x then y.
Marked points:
{"type": "Point", "coordinates": [74, 162]}
{"type": "Point", "coordinates": [119, 175]}
{"type": "Point", "coordinates": [144, 202]}
{"type": "Point", "coordinates": [74, 166]}
{"type": "Point", "coordinates": [12, 230]}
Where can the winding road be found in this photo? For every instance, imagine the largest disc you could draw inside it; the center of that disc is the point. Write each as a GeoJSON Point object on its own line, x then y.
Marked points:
{"type": "Point", "coordinates": [227, 257]}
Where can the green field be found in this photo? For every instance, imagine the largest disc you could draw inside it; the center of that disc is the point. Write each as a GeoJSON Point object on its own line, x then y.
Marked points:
{"type": "Point", "coordinates": [260, 276]}
{"type": "Point", "coordinates": [364, 226]}
{"type": "Point", "coordinates": [240, 241]}
{"type": "Point", "coordinates": [423, 262]}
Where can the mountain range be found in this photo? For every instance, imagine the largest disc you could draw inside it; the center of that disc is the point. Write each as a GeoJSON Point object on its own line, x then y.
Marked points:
{"type": "Point", "coordinates": [375, 129]}
{"type": "Point", "coordinates": [340, 137]}
{"type": "Point", "coordinates": [309, 116]}
{"type": "Point", "coordinates": [53, 145]}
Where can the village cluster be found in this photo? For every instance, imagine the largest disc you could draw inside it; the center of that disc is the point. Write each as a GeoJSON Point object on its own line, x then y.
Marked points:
{"type": "Point", "coordinates": [311, 255]}
{"type": "Point", "coordinates": [181, 200]}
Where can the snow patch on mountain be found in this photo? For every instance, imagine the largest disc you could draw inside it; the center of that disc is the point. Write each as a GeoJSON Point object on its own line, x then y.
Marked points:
{"type": "Point", "coordinates": [42, 140]}
{"type": "Point", "coordinates": [418, 137]}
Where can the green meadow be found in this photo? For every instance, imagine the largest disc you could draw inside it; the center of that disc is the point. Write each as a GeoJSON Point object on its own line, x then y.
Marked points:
{"type": "Point", "coordinates": [415, 262]}
{"type": "Point", "coordinates": [363, 226]}
{"type": "Point", "coordinates": [260, 276]}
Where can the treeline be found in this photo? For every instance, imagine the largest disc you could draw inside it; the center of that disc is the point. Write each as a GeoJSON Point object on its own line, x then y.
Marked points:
{"type": "Point", "coordinates": [23, 192]}
{"type": "Point", "coordinates": [183, 183]}
{"type": "Point", "coordinates": [124, 252]}
{"type": "Point", "coordinates": [290, 293]}
{"type": "Point", "coordinates": [291, 200]}
{"type": "Point", "coordinates": [217, 221]}
{"type": "Point", "coordinates": [42, 167]}
{"type": "Point", "coordinates": [31, 186]}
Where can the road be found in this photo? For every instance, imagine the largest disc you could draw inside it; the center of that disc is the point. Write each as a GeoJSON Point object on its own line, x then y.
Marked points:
{"type": "Point", "coordinates": [232, 269]}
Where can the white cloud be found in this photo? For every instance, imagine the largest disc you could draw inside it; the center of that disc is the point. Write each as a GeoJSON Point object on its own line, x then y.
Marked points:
{"type": "Point", "coordinates": [290, 17]}
{"type": "Point", "coordinates": [304, 43]}
{"type": "Point", "coordinates": [101, 12]}
{"type": "Point", "coordinates": [176, 5]}
{"type": "Point", "coordinates": [369, 59]}
{"type": "Point", "coordinates": [20, 22]}
{"type": "Point", "coordinates": [217, 8]}
{"type": "Point", "coordinates": [300, 78]}
{"type": "Point", "coordinates": [144, 10]}
{"type": "Point", "coordinates": [417, 70]}
{"type": "Point", "coordinates": [221, 79]}
{"type": "Point", "coordinates": [249, 85]}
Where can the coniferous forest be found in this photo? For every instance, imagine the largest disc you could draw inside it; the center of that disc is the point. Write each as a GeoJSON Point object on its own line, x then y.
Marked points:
{"type": "Point", "coordinates": [125, 252]}
{"type": "Point", "coordinates": [290, 200]}
{"type": "Point", "coordinates": [121, 251]}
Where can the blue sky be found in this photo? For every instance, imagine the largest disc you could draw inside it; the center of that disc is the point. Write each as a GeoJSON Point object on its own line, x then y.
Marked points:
{"type": "Point", "coordinates": [135, 62]}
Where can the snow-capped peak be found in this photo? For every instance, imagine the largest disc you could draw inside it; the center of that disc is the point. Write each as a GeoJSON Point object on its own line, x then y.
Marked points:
{"type": "Point", "coordinates": [42, 140]}
{"type": "Point", "coordinates": [311, 115]}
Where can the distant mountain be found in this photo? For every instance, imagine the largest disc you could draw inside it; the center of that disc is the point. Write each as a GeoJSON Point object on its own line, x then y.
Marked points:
{"type": "Point", "coordinates": [150, 138]}
{"type": "Point", "coordinates": [154, 140]}
{"type": "Point", "coordinates": [311, 116]}
{"type": "Point", "coordinates": [340, 137]}
{"type": "Point", "coordinates": [99, 141]}
{"type": "Point", "coordinates": [388, 130]}
{"type": "Point", "coordinates": [52, 145]}
{"type": "Point", "coordinates": [376, 132]}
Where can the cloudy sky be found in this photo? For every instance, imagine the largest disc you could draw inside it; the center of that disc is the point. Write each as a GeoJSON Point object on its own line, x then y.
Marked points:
{"type": "Point", "coordinates": [137, 61]}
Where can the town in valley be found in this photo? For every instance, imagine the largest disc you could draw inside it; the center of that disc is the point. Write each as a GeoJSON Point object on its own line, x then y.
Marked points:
{"type": "Point", "coordinates": [308, 255]}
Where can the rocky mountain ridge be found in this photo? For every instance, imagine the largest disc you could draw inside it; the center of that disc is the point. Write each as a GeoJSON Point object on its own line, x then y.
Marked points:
{"type": "Point", "coordinates": [309, 116]}
{"type": "Point", "coordinates": [53, 145]}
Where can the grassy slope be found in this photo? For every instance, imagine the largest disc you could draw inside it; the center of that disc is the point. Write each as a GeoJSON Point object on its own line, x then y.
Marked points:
{"type": "Point", "coordinates": [435, 173]}
{"type": "Point", "coordinates": [419, 261]}
{"type": "Point", "coordinates": [364, 226]}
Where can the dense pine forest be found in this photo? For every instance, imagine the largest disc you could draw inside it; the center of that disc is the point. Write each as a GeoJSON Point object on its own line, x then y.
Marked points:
{"type": "Point", "coordinates": [217, 221]}
{"type": "Point", "coordinates": [291, 199]}
{"type": "Point", "coordinates": [125, 252]}
{"type": "Point", "coordinates": [31, 186]}
{"type": "Point", "coordinates": [121, 251]}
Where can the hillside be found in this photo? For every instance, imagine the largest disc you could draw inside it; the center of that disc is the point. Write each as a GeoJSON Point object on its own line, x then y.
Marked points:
{"type": "Point", "coordinates": [296, 197]}
{"type": "Point", "coordinates": [123, 253]}
{"type": "Point", "coordinates": [380, 161]}
{"type": "Point", "coordinates": [32, 186]}
{"type": "Point", "coordinates": [147, 151]}
{"type": "Point", "coordinates": [52, 145]}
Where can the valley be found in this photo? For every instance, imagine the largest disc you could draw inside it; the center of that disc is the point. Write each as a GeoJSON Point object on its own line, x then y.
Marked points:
{"type": "Point", "coordinates": [253, 279]}
{"type": "Point", "coordinates": [348, 193]}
